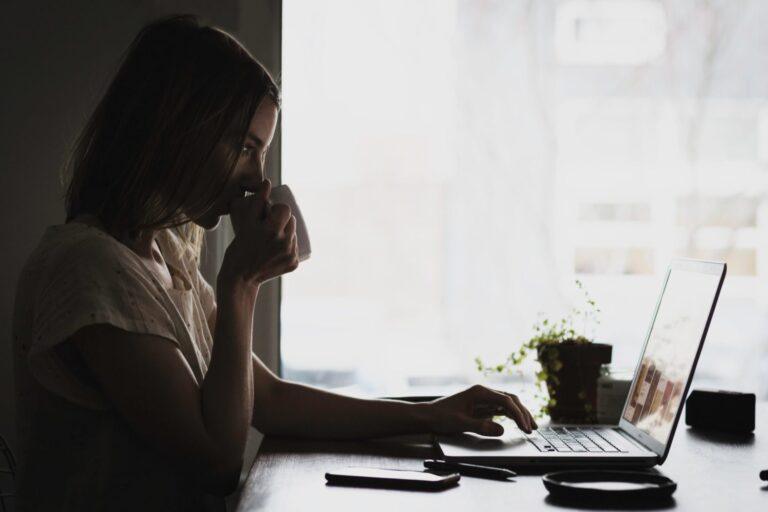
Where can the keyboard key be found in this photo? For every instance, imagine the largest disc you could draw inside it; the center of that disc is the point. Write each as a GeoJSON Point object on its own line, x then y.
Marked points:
{"type": "Point", "coordinates": [541, 444]}
{"type": "Point", "coordinates": [617, 440]}
{"type": "Point", "coordinates": [590, 446]}
{"type": "Point", "coordinates": [602, 443]}
{"type": "Point", "coordinates": [575, 447]}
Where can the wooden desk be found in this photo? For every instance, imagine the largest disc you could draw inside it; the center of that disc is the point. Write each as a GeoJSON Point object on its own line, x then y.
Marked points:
{"type": "Point", "coordinates": [713, 472]}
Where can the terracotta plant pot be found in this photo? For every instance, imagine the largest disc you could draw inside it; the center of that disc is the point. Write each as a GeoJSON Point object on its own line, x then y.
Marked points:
{"type": "Point", "coordinates": [572, 371]}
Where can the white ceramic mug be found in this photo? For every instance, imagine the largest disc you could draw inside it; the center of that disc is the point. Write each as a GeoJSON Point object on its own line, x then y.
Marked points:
{"type": "Point", "coordinates": [282, 194]}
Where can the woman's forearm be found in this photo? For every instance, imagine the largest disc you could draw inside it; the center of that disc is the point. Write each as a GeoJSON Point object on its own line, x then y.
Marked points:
{"type": "Point", "coordinates": [297, 410]}
{"type": "Point", "coordinates": [227, 391]}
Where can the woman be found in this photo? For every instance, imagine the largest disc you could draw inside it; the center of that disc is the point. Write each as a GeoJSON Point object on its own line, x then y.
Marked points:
{"type": "Point", "coordinates": [136, 385]}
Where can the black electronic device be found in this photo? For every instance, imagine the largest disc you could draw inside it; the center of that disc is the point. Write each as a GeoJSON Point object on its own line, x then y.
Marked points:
{"type": "Point", "coordinates": [391, 478]}
{"type": "Point", "coordinates": [727, 411]}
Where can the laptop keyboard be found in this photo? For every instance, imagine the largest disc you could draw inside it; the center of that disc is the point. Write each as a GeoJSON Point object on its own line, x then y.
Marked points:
{"type": "Point", "coordinates": [571, 439]}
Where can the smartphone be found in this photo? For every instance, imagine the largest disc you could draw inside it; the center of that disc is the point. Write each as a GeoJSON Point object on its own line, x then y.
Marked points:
{"type": "Point", "coordinates": [391, 478]}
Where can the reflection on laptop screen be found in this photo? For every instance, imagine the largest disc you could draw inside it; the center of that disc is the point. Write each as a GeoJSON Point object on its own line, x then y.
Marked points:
{"type": "Point", "coordinates": [673, 341]}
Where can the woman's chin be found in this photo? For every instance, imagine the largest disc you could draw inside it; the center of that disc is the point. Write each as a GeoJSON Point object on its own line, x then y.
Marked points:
{"type": "Point", "coordinates": [209, 223]}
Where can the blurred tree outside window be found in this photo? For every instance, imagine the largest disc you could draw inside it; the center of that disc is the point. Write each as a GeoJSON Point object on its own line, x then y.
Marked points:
{"type": "Point", "coordinates": [459, 163]}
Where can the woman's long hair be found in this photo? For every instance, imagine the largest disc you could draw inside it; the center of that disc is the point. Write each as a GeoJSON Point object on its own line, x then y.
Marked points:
{"type": "Point", "coordinates": [165, 138]}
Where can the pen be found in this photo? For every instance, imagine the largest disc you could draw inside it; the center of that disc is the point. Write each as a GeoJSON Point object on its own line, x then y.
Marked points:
{"type": "Point", "coordinates": [470, 469]}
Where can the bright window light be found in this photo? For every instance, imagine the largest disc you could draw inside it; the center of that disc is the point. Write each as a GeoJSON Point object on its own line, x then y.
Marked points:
{"type": "Point", "coordinates": [458, 172]}
{"type": "Point", "coordinates": [600, 32]}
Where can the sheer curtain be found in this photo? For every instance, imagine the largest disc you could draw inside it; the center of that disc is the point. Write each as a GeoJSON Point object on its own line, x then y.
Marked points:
{"type": "Point", "coordinates": [461, 163]}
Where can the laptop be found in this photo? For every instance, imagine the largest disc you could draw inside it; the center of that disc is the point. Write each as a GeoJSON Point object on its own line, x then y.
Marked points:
{"type": "Point", "coordinates": [663, 375]}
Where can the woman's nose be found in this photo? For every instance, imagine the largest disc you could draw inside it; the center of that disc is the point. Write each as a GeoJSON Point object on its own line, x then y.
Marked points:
{"type": "Point", "coordinates": [252, 182]}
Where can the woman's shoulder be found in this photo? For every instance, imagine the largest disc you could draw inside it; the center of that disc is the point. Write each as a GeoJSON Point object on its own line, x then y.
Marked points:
{"type": "Point", "coordinates": [73, 249]}
{"type": "Point", "coordinates": [71, 264]}
{"type": "Point", "coordinates": [82, 245]}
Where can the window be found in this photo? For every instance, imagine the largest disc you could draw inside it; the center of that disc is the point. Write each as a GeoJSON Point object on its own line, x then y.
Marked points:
{"type": "Point", "coordinates": [615, 212]}
{"type": "Point", "coordinates": [628, 32]}
{"type": "Point", "coordinates": [460, 164]}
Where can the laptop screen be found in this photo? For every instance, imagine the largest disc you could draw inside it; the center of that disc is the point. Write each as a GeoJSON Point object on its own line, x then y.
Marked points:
{"type": "Point", "coordinates": [670, 352]}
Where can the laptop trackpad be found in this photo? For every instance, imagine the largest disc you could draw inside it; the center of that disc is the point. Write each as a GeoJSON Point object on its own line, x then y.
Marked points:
{"type": "Point", "coordinates": [469, 444]}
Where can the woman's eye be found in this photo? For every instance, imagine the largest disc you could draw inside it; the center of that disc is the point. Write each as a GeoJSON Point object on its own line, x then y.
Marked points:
{"type": "Point", "coordinates": [252, 153]}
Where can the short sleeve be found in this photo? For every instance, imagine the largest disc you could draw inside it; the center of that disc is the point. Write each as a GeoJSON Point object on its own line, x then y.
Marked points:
{"type": "Point", "coordinates": [94, 282]}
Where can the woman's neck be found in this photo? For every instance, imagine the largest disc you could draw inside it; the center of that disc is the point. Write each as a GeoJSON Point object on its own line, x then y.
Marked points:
{"type": "Point", "coordinates": [142, 244]}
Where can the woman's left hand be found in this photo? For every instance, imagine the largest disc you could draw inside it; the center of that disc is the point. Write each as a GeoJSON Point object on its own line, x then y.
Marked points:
{"type": "Point", "coordinates": [473, 409]}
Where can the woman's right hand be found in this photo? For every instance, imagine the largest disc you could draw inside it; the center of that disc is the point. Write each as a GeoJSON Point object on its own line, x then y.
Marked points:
{"type": "Point", "coordinates": [265, 243]}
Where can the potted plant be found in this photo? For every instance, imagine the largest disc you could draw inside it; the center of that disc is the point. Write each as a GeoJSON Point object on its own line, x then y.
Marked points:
{"type": "Point", "coordinates": [570, 362]}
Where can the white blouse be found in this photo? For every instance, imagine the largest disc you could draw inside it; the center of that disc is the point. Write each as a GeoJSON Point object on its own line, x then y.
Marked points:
{"type": "Point", "coordinates": [76, 451]}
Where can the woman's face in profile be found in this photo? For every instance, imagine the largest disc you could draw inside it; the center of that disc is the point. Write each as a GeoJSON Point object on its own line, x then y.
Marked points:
{"type": "Point", "coordinates": [249, 170]}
